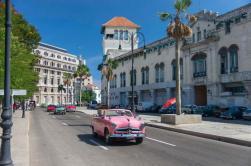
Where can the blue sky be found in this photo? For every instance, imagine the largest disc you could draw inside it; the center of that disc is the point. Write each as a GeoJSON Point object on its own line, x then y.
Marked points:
{"type": "Point", "coordinates": [75, 25]}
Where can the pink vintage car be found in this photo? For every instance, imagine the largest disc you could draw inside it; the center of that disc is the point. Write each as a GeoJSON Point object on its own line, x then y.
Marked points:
{"type": "Point", "coordinates": [70, 108]}
{"type": "Point", "coordinates": [119, 124]}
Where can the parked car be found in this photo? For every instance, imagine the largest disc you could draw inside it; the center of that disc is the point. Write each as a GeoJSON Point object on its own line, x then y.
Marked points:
{"type": "Point", "coordinates": [247, 114]}
{"type": "Point", "coordinates": [144, 106]}
{"type": "Point", "coordinates": [93, 104]}
{"type": "Point", "coordinates": [234, 112]}
{"type": "Point", "coordinates": [210, 110]}
{"type": "Point", "coordinates": [168, 110]}
{"type": "Point", "coordinates": [191, 109]}
{"type": "Point", "coordinates": [118, 124]}
{"type": "Point", "coordinates": [155, 108]}
{"type": "Point", "coordinates": [51, 108]}
{"type": "Point", "coordinates": [60, 110]}
{"type": "Point", "coordinates": [70, 108]}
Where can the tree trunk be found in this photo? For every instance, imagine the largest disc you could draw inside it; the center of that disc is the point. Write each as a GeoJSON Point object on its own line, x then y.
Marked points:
{"type": "Point", "coordinates": [80, 92]}
{"type": "Point", "coordinates": [61, 98]}
{"type": "Point", "coordinates": [67, 95]}
{"type": "Point", "coordinates": [178, 89]}
{"type": "Point", "coordinates": [108, 94]}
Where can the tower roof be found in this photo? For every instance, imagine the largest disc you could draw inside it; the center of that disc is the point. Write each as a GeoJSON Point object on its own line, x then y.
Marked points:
{"type": "Point", "coordinates": [119, 22]}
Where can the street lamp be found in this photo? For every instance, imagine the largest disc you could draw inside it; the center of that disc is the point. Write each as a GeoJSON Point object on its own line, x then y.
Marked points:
{"type": "Point", "coordinates": [5, 156]}
{"type": "Point", "coordinates": [134, 38]}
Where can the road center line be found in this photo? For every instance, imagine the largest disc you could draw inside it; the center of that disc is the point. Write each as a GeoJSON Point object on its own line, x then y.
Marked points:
{"type": "Point", "coordinates": [160, 141]}
{"type": "Point", "coordinates": [102, 147]}
{"type": "Point", "coordinates": [65, 124]}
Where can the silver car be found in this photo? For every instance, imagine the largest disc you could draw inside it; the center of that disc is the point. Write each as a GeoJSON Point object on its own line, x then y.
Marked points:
{"type": "Point", "coordinates": [247, 114]}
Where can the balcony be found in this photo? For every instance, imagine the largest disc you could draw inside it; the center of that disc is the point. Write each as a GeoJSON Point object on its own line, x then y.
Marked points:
{"type": "Point", "coordinates": [236, 77]}
{"type": "Point", "coordinates": [200, 74]}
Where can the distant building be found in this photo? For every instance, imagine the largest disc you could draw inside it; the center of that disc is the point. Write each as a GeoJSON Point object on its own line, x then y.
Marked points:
{"type": "Point", "coordinates": [215, 62]}
{"type": "Point", "coordinates": [53, 63]}
{"type": "Point", "coordinates": [95, 90]}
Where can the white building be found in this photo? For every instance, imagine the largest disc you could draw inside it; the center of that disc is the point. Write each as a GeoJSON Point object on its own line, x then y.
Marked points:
{"type": "Point", "coordinates": [53, 63]}
{"type": "Point", "coordinates": [215, 62]}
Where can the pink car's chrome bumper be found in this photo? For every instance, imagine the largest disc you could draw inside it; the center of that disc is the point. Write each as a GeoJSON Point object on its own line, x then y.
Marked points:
{"type": "Point", "coordinates": [130, 136]}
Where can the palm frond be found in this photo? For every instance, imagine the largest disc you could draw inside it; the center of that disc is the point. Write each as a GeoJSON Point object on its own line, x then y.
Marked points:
{"type": "Point", "coordinates": [164, 16]}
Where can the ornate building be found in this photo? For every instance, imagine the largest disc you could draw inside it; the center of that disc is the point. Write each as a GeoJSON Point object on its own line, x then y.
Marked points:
{"type": "Point", "coordinates": [215, 62]}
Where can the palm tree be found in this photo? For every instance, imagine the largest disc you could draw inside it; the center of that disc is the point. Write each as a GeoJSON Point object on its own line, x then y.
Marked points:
{"type": "Point", "coordinates": [82, 72]}
{"type": "Point", "coordinates": [178, 31]}
{"type": "Point", "coordinates": [61, 89]}
{"type": "Point", "coordinates": [107, 71]}
{"type": "Point", "coordinates": [67, 77]}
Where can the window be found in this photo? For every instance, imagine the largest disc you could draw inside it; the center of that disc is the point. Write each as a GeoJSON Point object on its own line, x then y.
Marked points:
{"type": "Point", "coordinates": [52, 81]}
{"type": "Point", "coordinates": [45, 90]}
{"type": "Point", "coordinates": [193, 38]}
{"type": "Point", "coordinates": [45, 63]}
{"type": "Point", "coordinates": [59, 57]}
{"type": "Point", "coordinates": [65, 67]}
{"type": "Point", "coordinates": [69, 59]}
{"type": "Point", "coordinates": [52, 71]}
{"type": "Point", "coordinates": [223, 60]}
{"type": "Point", "coordinates": [121, 35]}
{"type": "Point", "coordinates": [58, 73]}
{"type": "Point", "coordinates": [157, 73]}
{"type": "Point", "coordinates": [52, 90]}
{"type": "Point", "coordinates": [198, 36]}
{"type": "Point", "coordinates": [205, 33]}
{"type": "Point", "coordinates": [45, 80]}
{"type": "Point", "coordinates": [199, 65]}
{"type": "Point", "coordinates": [145, 75]}
{"type": "Point", "coordinates": [58, 81]}
{"type": "Point", "coordinates": [69, 67]}
{"type": "Point", "coordinates": [133, 77]}
{"type": "Point", "coordinates": [45, 53]}
{"type": "Point", "coordinates": [59, 65]}
{"type": "Point", "coordinates": [227, 27]}
{"type": "Point", "coordinates": [52, 64]}
{"type": "Point", "coordinates": [37, 52]}
{"type": "Point", "coordinates": [126, 35]}
{"type": "Point", "coordinates": [123, 79]}
{"type": "Point", "coordinates": [174, 69]}
{"type": "Point", "coordinates": [52, 55]}
{"type": "Point", "coordinates": [74, 68]}
{"type": "Point", "coordinates": [65, 58]}
{"type": "Point", "coordinates": [116, 35]}
{"type": "Point", "coordinates": [45, 71]}
{"type": "Point", "coordinates": [233, 50]}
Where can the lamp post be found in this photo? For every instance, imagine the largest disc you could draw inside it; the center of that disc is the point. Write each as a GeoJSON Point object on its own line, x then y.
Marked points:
{"type": "Point", "coordinates": [134, 39]}
{"type": "Point", "coordinates": [5, 156]}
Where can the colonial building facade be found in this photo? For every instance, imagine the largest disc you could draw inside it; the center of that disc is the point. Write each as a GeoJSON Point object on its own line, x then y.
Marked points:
{"type": "Point", "coordinates": [215, 63]}
{"type": "Point", "coordinates": [53, 63]}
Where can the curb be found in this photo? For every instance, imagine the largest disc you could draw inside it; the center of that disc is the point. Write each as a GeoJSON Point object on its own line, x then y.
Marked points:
{"type": "Point", "coordinates": [203, 135]}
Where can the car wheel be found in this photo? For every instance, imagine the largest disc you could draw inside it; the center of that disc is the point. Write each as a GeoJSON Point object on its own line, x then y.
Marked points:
{"type": "Point", "coordinates": [107, 137]}
{"type": "Point", "coordinates": [139, 140]}
{"type": "Point", "coordinates": [94, 133]}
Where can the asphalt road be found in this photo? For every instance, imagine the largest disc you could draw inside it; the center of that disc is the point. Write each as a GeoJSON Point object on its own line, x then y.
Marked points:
{"type": "Point", "coordinates": [66, 140]}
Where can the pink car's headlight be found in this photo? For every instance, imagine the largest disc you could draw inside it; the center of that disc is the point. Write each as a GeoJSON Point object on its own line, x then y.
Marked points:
{"type": "Point", "coordinates": [142, 126]}
{"type": "Point", "coordinates": [114, 125]}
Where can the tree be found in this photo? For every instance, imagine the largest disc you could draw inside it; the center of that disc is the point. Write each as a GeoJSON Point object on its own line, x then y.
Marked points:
{"type": "Point", "coordinates": [24, 38]}
{"type": "Point", "coordinates": [107, 71]}
{"type": "Point", "coordinates": [82, 72]}
{"type": "Point", "coordinates": [67, 77]}
{"type": "Point", "coordinates": [88, 96]}
{"type": "Point", "coordinates": [61, 89]}
{"type": "Point", "coordinates": [178, 31]}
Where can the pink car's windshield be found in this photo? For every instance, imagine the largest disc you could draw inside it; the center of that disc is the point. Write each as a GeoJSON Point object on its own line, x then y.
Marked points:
{"type": "Point", "coordinates": [118, 113]}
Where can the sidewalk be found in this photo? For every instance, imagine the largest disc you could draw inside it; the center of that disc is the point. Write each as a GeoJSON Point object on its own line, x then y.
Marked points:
{"type": "Point", "coordinates": [221, 130]}
{"type": "Point", "coordinates": [20, 139]}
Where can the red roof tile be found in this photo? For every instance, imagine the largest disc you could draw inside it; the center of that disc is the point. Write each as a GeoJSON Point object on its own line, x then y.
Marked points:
{"type": "Point", "coordinates": [120, 22]}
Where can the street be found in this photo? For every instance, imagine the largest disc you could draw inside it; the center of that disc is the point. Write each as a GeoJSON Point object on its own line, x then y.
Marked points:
{"type": "Point", "coordinates": [57, 140]}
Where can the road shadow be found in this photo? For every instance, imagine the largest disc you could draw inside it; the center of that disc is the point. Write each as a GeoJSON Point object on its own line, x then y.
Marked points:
{"type": "Point", "coordinates": [228, 121]}
{"type": "Point", "coordinates": [87, 138]}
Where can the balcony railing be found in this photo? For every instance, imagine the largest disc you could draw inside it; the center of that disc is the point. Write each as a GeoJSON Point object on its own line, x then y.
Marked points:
{"type": "Point", "coordinates": [236, 77]}
{"type": "Point", "coordinates": [200, 74]}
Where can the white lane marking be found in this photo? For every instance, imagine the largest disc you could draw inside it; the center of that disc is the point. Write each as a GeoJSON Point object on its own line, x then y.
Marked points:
{"type": "Point", "coordinates": [77, 116]}
{"type": "Point", "coordinates": [160, 141]}
{"type": "Point", "coordinates": [102, 147]}
{"type": "Point", "coordinates": [65, 124]}
{"type": "Point", "coordinates": [53, 117]}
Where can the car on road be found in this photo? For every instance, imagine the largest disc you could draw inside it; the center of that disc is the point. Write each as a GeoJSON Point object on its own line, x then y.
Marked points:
{"type": "Point", "coordinates": [93, 104]}
{"type": "Point", "coordinates": [234, 112]}
{"type": "Point", "coordinates": [60, 109]}
{"type": "Point", "coordinates": [168, 110]}
{"type": "Point", "coordinates": [118, 124]}
{"type": "Point", "coordinates": [247, 114]}
{"type": "Point", "coordinates": [51, 108]}
{"type": "Point", "coordinates": [144, 106]}
{"type": "Point", "coordinates": [210, 110]}
{"type": "Point", "coordinates": [70, 108]}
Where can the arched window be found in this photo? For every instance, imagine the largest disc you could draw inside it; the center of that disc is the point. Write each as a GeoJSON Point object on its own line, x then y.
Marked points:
{"type": "Point", "coordinates": [122, 79]}
{"type": "Point", "coordinates": [143, 75]}
{"type": "Point", "coordinates": [126, 35]}
{"type": "Point", "coordinates": [45, 89]}
{"type": "Point", "coordinates": [199, 65]}
{"type": "Point", "coordinates": [157, 69]}
{"type": "Point", "coordinates": [121, 35]}
{"type": "Point", "coordinates": [115, 81]}
{"type": "Point", "coordinates": [173, 69]}
{"type": "Point", "coordinates": [223, 60]}
{"type": "Point", "coordinates": [147, 75]}
{"type": "Point", "coordinates": [233, 50]}
{"type": "Point", "coordinates": [116, 34]}
{"type": "Point", "coordinates": [37, 52]}
{"type": "Point", "coordinates": [133, 77]}
{"type": "Point", "coordinates": [161, 72]}
{"type": "Point", "coordinates": [45, 53]}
